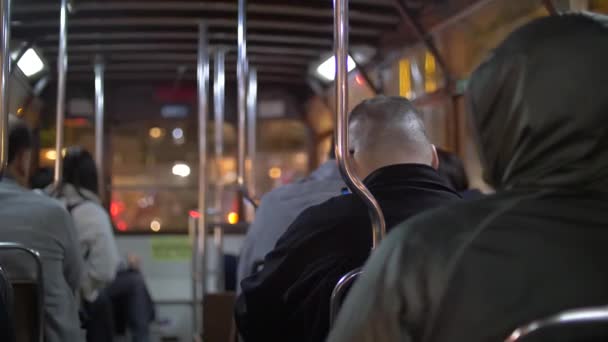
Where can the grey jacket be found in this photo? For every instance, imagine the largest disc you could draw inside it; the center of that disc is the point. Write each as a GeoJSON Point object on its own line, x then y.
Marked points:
{"type": "Point", "coordinates": [280, 207]}
{"type": "Point", "coordinates": [41, 223]}
{"type": "Point", "coordinates": [95, 237]}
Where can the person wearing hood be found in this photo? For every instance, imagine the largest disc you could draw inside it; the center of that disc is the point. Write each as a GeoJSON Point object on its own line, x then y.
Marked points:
{"type": "Point", "coordinates": [477, 270]}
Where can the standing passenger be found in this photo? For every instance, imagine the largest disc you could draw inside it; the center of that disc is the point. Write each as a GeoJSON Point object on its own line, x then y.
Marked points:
{"type": "Point", "coordinates": [288, 300]}
{"type": "Point", "coordinates": [477, 270]}
{"type": "Point", "coordinates": [41, 223]}
{"type": "Point", "coordinates": [280, 207]}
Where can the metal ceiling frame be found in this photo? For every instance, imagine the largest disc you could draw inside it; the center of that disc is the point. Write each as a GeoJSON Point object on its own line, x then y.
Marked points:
{"type": "Point", "coordinates": [266, 9]}
{"type": "Point", "coordinates": [213, 23]}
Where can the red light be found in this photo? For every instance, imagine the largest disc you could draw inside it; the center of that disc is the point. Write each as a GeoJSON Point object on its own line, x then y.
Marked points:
{"type": "Point", "coordinates": [359, 79]}
{"type": "Point", "coordinates": [116, 208]}
{"type": "Point", "coordinates": [194, 214]}
{"type": "Point", "coordinates": [122, 226]}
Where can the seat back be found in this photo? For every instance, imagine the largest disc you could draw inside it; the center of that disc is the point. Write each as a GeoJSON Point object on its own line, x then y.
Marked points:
{"type": "Point", "coordinates": [339, 293]}
{"type": "Point", "coordinates": [23, 269]}
{"type": "Point", "coordinates": [7, 314]}
{"type": "Point", "coordinates": [578, 325]}
{"type": "Point", "coordinates": [218, 315]}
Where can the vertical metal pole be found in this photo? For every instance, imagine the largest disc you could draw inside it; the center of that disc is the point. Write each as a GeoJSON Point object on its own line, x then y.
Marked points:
{"type": "Point", "coordinates": [241, 74]}
{"type": "Point", "coordinates": [353, 182]}
{"type": "Point", "coordinates": [99, 118]}
{"type": "Point", "coordinates": [62, 67]}
{"type": "Point", "coordinates": [219, 84]}
{"type": "Point", "coordinates": [252, 106]}
{"type": "Point", "coordinates": [5, 37]}
{"type": "Point", "coordinates": [202, 78]}
{"type": "Point", "coordinates": [194, 267]}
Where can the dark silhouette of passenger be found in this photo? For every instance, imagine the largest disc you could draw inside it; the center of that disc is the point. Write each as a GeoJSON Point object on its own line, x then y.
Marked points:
{"type": "Point", "coordinates": [280, 207]}
{"type": "Point", "coordinates": [288, 300]}
{"type": "Point", "coordinates": [452, 169]}
{"type": "Point", "coordinates": [476, 270]}
{"type": "Point", "coordinates": [43, 224]}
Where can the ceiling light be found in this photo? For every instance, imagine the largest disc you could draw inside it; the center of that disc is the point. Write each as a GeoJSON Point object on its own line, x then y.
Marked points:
{"type": "Point", "coordinates": [181, 169]}
{"type": "Point", "coordinates": [327, 69]}
{"type": "Point", "coordinates": [30, 63]}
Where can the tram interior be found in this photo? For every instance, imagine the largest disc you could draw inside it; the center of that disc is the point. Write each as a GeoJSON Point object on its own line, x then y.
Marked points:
{"type": "Point", "coordinates": [423, 50]}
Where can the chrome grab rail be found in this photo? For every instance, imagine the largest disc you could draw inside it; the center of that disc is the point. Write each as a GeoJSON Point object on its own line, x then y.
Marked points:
{"type": "Point", "coordinates": [252, 98]}
{"type": "Point", "coordinates": [5, 62]}
{"type": "Point", "coordinates": [241, 75]}
{"type": "Point", "coordinates": [62, 67]}
{"type": "Point", "coordinates": [99, 70]}
{"type": "Point", "coordinates": [350, 178]}
{"type": "Point", "coordinates": [202, 81]}
{"type": "Point", "coordinates": [339, 292]}
{"type": "Point", "coordinates": [584, 315]}
{"type": "Point", "coordinates": [219, 85]}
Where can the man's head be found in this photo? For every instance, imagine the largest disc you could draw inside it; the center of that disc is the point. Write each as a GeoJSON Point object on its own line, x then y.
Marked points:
{"type": "Point", "coordinates": [19, 150]}
{"type": "Point", "coordinates": [387, 131]}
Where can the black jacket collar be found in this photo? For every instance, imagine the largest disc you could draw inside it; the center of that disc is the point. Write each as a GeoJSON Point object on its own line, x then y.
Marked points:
{"type": "Point", "coordinates": [403, 175]}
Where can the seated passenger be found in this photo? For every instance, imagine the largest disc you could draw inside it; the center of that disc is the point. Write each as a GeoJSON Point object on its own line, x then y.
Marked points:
{"type": "Point", "coordinates": [79, 192]}
{"type": "Point", "coordinates": [102, 286]}
{"type": "Point", "coordinates": [288, 300]}
{"type": "Point", "coordinates": [477, 270]}
{"type": "Point", "coordinates": [452, 169]}
{"type": "Point", "coordinates": [280, 207]}
{"type": "Point", "coordinates": [41, 223]}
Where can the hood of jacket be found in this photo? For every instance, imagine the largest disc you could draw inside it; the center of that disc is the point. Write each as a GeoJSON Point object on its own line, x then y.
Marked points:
{"type": "Point", "coordinates": [539, 105]}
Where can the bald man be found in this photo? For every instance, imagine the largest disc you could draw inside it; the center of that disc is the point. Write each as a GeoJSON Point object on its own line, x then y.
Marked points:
{"type": "Point", "coordinates": [288, 300]}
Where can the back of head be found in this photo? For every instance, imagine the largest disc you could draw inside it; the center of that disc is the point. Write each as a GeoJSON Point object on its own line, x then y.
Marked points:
{"type": "Point", "coordinates": [386, 131]}
{"type": "Point", "coordinates": [19, 149]}
{"type": "Point", "coordinates": [539, 105]}
{"type": "Point", "coordinates": [452, 170]}
{"type": "Point", "coordinates": [79, 169]}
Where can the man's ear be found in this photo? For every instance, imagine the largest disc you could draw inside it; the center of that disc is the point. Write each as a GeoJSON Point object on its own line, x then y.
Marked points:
{"type": "Point", "coordinates": [435, 161]}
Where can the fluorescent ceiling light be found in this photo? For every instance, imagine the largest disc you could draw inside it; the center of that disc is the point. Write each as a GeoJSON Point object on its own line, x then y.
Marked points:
{"type": "Point", "coordinates": [327, 69]}
{"type": "Point", "coordinates": [30, 63]}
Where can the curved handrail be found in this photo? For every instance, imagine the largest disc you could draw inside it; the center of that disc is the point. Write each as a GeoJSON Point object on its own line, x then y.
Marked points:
{"type": "Point", "coordinates": [341, 80]}
{"type": "Point", "coordinates": [5, 60]}
{"type": "Point", "coordinates": [350, 178]}
{"type": "Point", "coordinates": [583, 315]}
{"type": "Point", "coordinates": [339, 292]}
{"type": "Point", "coordinates": [39, 283]}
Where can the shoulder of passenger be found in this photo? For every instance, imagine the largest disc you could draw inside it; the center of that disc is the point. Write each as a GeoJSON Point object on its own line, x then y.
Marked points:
{"type": "Point", "coordinates": [447, 226]}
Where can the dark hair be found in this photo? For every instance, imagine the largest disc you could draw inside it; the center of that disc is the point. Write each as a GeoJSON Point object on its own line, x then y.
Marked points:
{"type": "Point", "coordinates": [42, 178]}
{"type": "Point", "coordinates": [19, 138]}
{"type": "Point", "coordinates": [331, 154]}
{"type": "Point", "coordinates": [79, 169]}
{"type": "Point", "coordinates": [452, 170]}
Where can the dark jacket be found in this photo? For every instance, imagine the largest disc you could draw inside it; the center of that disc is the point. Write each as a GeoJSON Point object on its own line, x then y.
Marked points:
{"type": "Point", "coordinates": [288, 300]}
{"type": "Point", "coordinates": [477, 270]}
